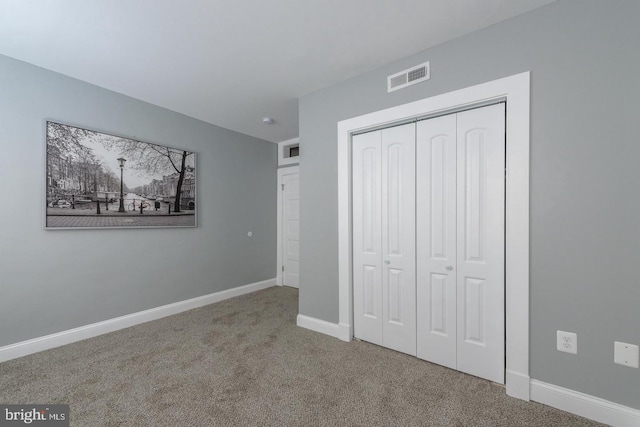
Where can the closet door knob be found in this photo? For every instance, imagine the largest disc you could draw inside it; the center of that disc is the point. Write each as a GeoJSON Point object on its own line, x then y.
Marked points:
{"type": "Point", "coordinates": [386, 261]}
{"type": "Point", "coordinates": [449, 267]}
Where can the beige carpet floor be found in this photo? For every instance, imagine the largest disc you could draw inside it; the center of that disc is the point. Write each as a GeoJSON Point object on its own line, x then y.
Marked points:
{"type": "Point", "coordinates": [244, 362]}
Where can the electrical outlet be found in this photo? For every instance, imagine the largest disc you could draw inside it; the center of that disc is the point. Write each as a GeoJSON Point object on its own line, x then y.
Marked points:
{"type": "Point", "coordinates": [567, 342]}
{"type": "Point", "coordinates": [625, 354]}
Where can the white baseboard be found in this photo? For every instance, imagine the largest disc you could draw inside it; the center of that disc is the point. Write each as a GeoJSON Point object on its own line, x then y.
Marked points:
{"type": "Point", "coordinates": [58, 339]}
{"type": "Point", "coordinates": [332, 329]}
{"type": "Point", "coordinates": [584, 405]}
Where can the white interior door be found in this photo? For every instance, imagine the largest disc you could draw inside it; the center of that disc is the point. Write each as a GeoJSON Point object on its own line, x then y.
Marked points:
{"type": "Point", "coordinates": [480, 241]}
{"type": "Point", "coordinates": [398, 238]}
{"type": "Point", "coordinates": [460, 248]}
{"type": "Point", "coordinates": [291, 229]}
{"type": "Point", "coordinates": [449, 306]}
{"type": "Point", "coordinates": [384, 237]}
{"type": "Point", "coordinates": [367, 237]}
{"type": "Point", "coordinates": [436, 232]}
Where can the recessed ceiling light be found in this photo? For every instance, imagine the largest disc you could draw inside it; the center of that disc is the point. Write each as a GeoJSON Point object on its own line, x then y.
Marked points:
{"type": "Point", "coordinates": [268, 121]}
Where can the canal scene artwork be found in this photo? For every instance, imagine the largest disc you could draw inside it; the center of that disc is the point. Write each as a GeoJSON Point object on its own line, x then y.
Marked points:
{"type": "Point", "coordinates": [99, 180]}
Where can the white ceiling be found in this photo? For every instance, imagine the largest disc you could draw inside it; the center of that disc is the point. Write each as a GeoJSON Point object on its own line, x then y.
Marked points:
{"type": "Point", "coordinates": [233, 62]}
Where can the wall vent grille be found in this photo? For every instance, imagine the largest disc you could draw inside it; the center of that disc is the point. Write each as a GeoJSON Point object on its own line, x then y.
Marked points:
{"type": "Point", "coordinates": [408, 77]}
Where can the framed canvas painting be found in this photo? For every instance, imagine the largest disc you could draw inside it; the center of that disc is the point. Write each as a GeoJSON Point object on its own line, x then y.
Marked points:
{"type": "Point", "coordinates": [100, 180]}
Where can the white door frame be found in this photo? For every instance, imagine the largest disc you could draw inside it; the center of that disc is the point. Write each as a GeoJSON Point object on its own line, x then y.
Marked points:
{"type": "Point", "coordinates": [516, 91]}
{"type": "Point", "coordinates": [280, 218]}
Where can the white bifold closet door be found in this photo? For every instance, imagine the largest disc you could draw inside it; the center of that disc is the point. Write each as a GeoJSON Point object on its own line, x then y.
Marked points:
{"type": "Point", "coordinates": [384, 237]}
{"type": "Point", "coordinates": [460, 241]}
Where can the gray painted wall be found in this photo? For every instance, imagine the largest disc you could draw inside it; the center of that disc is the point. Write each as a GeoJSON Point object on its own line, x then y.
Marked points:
{"type": "Point", "coordinates": [56, 280]}
{"type": "Point", "coordinates": [584, 60]}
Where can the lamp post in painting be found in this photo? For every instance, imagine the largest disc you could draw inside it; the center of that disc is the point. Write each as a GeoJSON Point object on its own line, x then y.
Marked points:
{"type": "Point", "coordinates": [121, 162]}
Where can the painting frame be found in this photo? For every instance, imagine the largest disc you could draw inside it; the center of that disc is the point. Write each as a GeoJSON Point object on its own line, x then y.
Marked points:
{"type": "Point", "coordinates": [87, 186]}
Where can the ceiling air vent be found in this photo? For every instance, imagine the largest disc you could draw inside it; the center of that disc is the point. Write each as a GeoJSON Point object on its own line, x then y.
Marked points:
{"type": "Point", "coordinates": [408, 77]}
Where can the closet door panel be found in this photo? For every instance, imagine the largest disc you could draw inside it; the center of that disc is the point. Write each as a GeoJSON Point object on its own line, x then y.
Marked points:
{"type": "Point", "coordinates": [367, 240]}
{"type": "Point", "coordinates": [436, 240]}
{"type": "Point", "coordinates": [398, 238]}
{"type": "Point", "coordinates": [480, 242]}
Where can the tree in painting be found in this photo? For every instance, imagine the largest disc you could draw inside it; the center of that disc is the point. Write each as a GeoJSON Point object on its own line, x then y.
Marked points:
{"type": "Point", "coordinates": [74, 161]}
{"type": "Point", "coordinates": [155, 159]}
